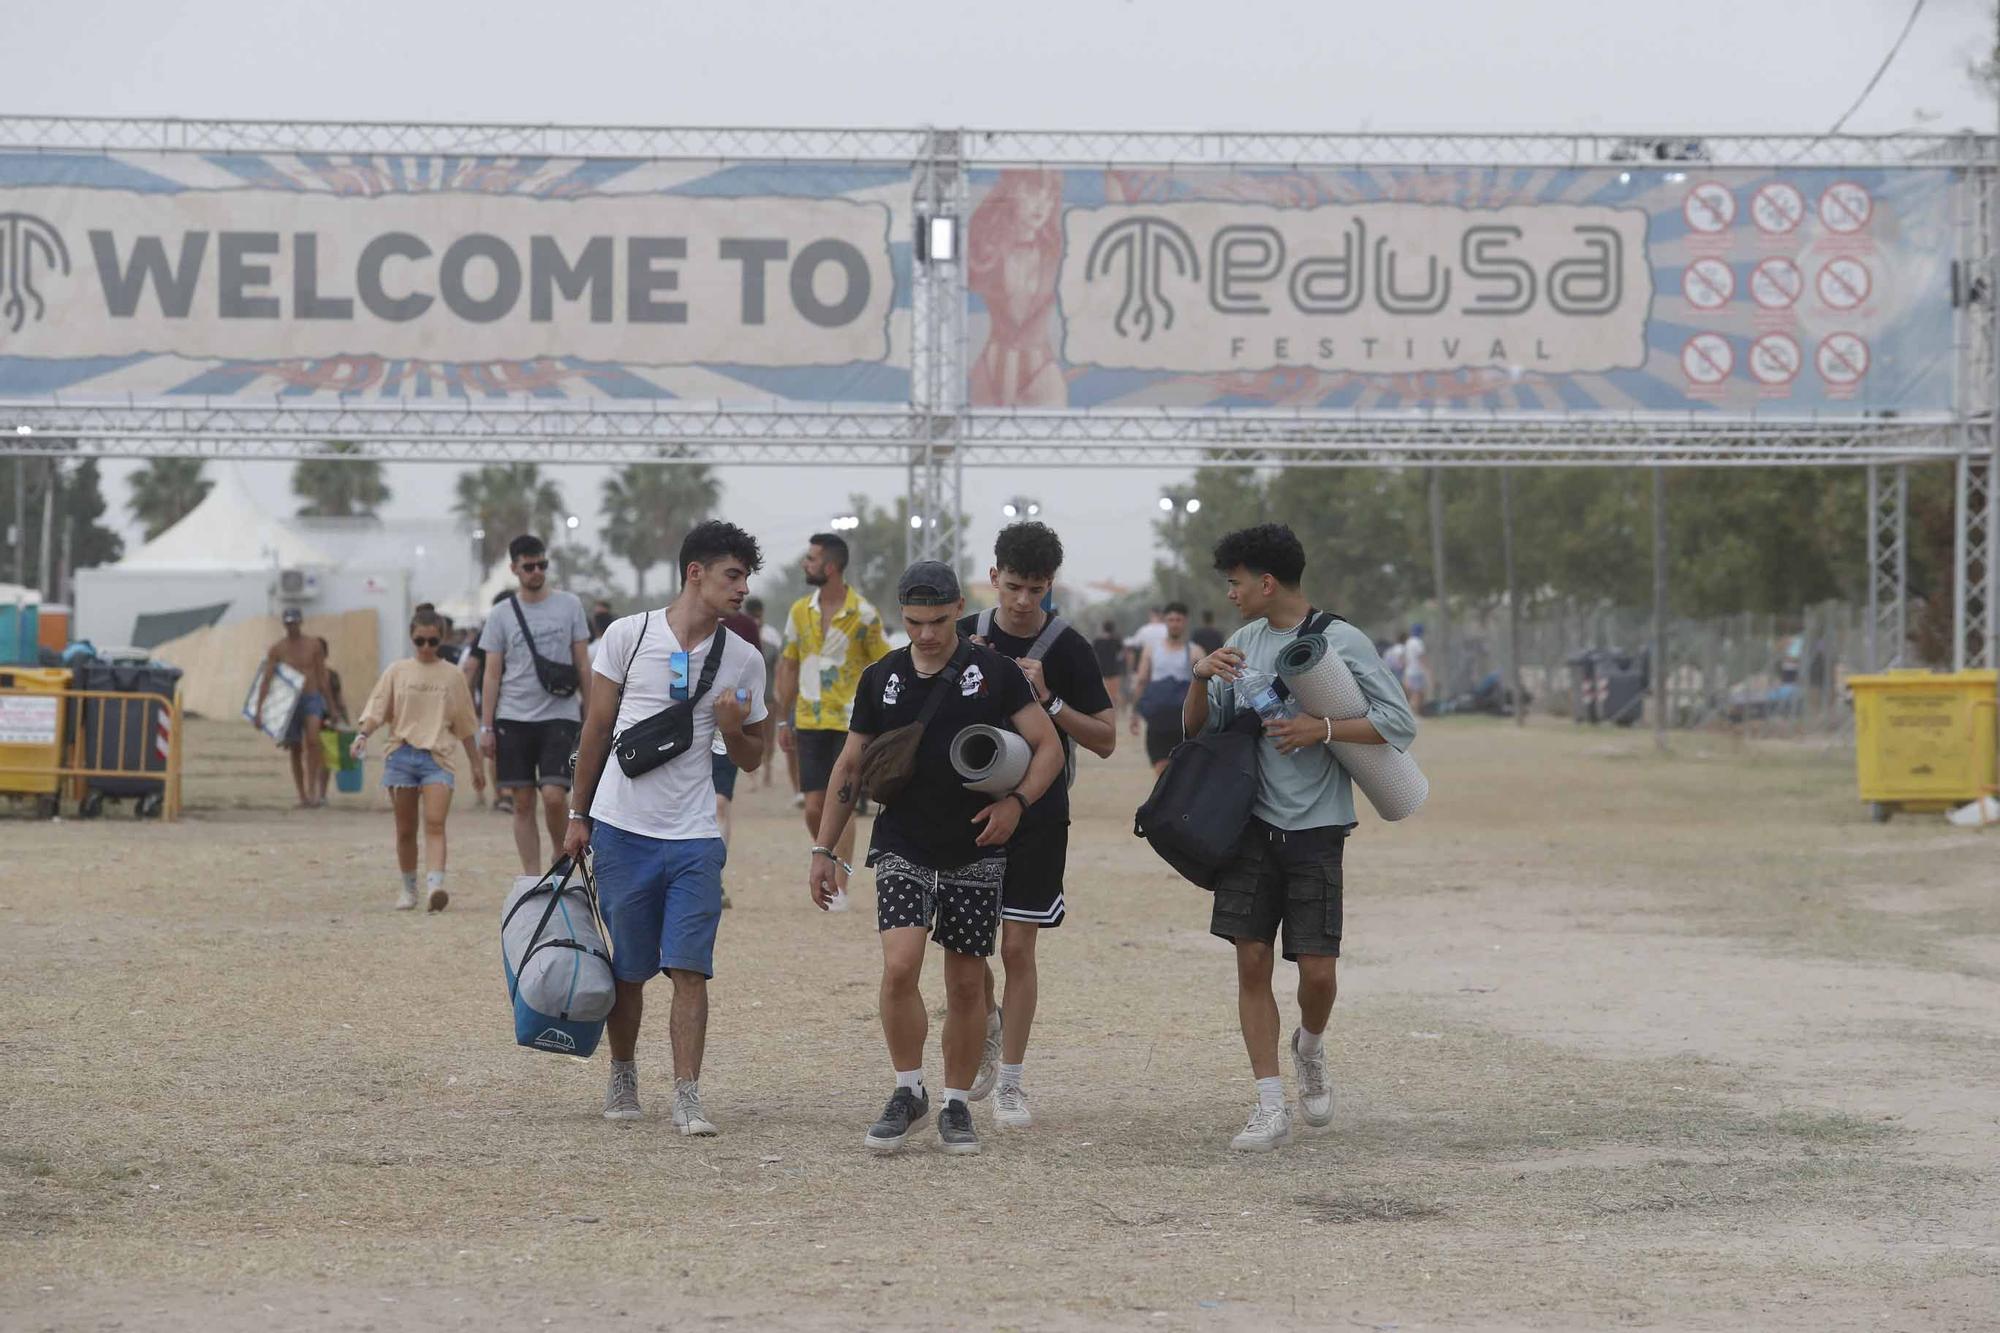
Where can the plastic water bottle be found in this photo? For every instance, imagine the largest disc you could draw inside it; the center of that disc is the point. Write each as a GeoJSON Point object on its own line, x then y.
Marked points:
{"type": "Point", "coordinates": [837, 903]}
{"type": "Point", "coordinates": [1258, 691]}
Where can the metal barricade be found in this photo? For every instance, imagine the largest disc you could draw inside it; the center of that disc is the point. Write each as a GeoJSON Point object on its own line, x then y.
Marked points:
{"type": "Point", "coordinates": [122, 742]}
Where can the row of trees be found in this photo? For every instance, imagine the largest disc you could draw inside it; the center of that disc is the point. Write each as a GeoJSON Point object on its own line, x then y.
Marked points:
{"type": "Point", "coordinates": [1741, 539]}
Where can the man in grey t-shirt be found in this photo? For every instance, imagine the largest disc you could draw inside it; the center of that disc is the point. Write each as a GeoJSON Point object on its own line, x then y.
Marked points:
{"type": "Point", "coordinates": [527, 730]}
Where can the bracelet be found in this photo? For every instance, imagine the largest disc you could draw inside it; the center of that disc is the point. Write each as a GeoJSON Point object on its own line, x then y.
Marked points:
{"type": "Point", "coordinates": [579, 815]}
{"type": "Point", "coordinates": [1022, 799]}
{"type": "Point", "coordinates": [834, 857]}
{"type": "Point", "coordinates": [1329, 731]}
{"type": "Point", "coordinates": [1054, 705]}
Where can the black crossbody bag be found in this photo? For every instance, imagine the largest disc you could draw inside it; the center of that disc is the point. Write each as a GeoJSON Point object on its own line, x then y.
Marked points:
{"type": "Point", "coordinates": [669, 733]}
{"type": "Point", "coordinates": [558, 678]}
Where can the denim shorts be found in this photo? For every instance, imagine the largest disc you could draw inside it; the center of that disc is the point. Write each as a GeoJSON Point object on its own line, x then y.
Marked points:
{"type": "Point", "coordinates": [662, 899]}
{"type": "Point", "coordinates": [407, 766]}
{"type": "Point", "coordinates": [311, 704]}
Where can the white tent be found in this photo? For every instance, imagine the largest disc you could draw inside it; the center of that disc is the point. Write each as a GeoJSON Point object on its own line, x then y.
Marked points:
{"type": "Point", "coordinates": [229, 530]}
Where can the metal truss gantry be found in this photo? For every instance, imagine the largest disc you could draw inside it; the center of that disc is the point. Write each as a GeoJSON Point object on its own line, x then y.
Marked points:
{"type": "Point", "coordinates": [936, 436]}
{"type": "Point", "coordinates": [1888, 566]}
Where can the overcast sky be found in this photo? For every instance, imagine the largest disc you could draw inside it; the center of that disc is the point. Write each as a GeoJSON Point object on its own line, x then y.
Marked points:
{"type": "Point", "coordinates": [1577, 65]}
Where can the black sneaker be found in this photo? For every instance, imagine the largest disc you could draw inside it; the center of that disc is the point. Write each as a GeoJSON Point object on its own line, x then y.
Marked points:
{"type": "Point", "coordinates": [899, 1117]}
{"type": "Point", "coordinates": [955, 1130]}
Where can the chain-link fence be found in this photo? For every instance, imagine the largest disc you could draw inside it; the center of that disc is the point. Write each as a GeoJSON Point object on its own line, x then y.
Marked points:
{"type": "Point", "coordinates": [1768, 674]}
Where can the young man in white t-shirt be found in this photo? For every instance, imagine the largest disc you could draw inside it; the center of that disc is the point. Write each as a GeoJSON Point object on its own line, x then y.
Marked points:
{"type": "Point", "coordinates": [654, 842]}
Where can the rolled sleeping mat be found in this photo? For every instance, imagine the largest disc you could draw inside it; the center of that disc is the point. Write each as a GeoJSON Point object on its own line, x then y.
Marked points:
{"type": "Point", "coordinates": [1324, 687]}
{"type": "Point", "coordinates": [990, 760]}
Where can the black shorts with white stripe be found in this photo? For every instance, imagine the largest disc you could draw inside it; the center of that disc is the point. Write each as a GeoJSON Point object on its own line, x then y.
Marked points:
{"type": "Point", "coordinates": [1036, 859]}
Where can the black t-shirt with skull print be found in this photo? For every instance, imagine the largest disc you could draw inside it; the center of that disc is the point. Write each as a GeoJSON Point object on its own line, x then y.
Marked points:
{"type": "Point", "coordinates": [930, 822]}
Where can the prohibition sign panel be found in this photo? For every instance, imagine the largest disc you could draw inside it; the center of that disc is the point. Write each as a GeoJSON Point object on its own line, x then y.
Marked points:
{"type": "Point", "coordinates": [1708, 284]}
{"type": "Point", "coordinates": [1777, 208]}
{"type": "Point", "coordinates": [1844, 283]}
{"type": "Point", "coordinates": [1775, 359]}
{"type": "Point", "coordinates": [1707, 358]}
{"type": "Point", "coordinates": [1845, 207]}
{"type": "Point", "coordinates": [1709, 207]}
{"type": "Point", "coordinates": [1842, 359]}
{"type": "Point", "coordinates": [1776, 283]}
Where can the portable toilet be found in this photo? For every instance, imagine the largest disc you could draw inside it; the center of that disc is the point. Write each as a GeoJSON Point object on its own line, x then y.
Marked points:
{"type": "Point", "coordinates": [20, 619]}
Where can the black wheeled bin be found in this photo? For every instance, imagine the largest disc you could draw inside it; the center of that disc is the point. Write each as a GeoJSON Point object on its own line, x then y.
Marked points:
{"type": "Point", "coordinates": [129, 734]}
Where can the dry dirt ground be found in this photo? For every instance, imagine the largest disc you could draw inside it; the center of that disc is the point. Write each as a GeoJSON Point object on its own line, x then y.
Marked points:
{"type": "Point", "coordinates": [1622, 1041]}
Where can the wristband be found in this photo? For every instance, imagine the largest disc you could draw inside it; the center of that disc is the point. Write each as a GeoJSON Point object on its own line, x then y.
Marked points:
{"type": "Point", "coordinates": [834, 857]}
{"type": "Point", "coordinates": [1022, 799]}
{"type": "Point", "coordinates": [1054, 705]}
{"type": "Point", "coordinates": [1329, 731]}
{"type": "Point", "coordinates": [579, 816]}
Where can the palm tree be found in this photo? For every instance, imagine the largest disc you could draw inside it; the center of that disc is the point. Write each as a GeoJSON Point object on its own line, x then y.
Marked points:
{"type": "Point", "coordinates": [503, 500]}
{"type": "Point", "coordinates": [335, 488]}
{"type": "Point", "coordinates": [649, 507]}
{"type": "Point", "coordinates": [165, 491]}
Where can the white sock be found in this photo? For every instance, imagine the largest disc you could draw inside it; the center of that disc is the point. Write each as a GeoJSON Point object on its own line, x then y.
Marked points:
{"type": "Point", "coordinates": [1310, 1043]}
{"type": "Point", "coordinates": [1010, 1075]}
{"type": "Point", "coordinates": [616, 1063]}
{"type": "Point", "coordinates": [1270, 1093]}
{"type": "Point", "coordinates": [913, 1079]}
{"type": "Point", "coordinates": [690, 1085]}
{"type": "Point", "coordinates": [410, 880]}
{"type": "Point", "coordinates": [957, 1095]}
{"type": "Point", "coordinates": [434, 880]}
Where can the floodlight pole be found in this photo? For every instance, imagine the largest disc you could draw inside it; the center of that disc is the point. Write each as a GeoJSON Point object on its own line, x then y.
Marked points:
{"type": "Point", "coordinates": [1513, 597]}
{"type": "Point", "coordinates": [1440, 645]}
{"type": "Point", "coordinates": [1658, 664]}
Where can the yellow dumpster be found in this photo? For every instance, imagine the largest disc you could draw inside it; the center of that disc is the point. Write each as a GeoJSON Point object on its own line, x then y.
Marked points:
{"type": "Point", "coordinates": [31, 732]}
{"type": "Point", "coordinates": [1924, 740]}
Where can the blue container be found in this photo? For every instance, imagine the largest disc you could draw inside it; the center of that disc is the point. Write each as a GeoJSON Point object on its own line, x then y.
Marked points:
{"type": "Point", "coordinates": [348, 779]}
{"type": "Point", "coordinates": [20, 629]}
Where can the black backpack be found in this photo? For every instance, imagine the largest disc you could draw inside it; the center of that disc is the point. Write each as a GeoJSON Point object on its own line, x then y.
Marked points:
{"type": "Point", "coordinates": [1201, 803]}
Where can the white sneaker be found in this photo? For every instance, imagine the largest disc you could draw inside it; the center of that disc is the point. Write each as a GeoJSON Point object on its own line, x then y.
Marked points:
{"type": "Point", "coordinates": [621, 1099]}
{"type": "Point", "coordinates": [1315, 1093]}
{"type": "Point", "coordinates": [406, 898]}
{"type": "Point", "coordinates": [1010, 1108]}
{"type": "Point", "coordinates": [1268, 1128]}
{"type": "Point", "coordinates": [989, 1060]}
{"type": "Point", "coordinates": [688, 1118]}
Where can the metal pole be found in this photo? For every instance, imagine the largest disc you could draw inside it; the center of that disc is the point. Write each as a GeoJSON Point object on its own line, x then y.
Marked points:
{"type": "Point", "coordinates": [45, 570]}
{"type": "Point", "coordinates": [1872, 653]}
{"type": "Point", "coordinates": [1659, 662]}
{"type": "Point", "coordinates": [1513, 598]}
{"type": "Point", "coordinates": [66, 582]}
{"type": "Point", "coordinates": [21, 521]}
{"type": "Point", "coordinates": [1440, 644]}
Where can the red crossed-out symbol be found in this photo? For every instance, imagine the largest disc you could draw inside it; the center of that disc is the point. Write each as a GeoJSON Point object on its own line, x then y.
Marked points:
{"type": "Point", "coordinates": [1776, 283]}
{"type": "Point", "coordinates": [1844, 283]}
{"type": "Point", "coordinates": [1707, 358]}
{"type": "Point", "coordinates": [1846, 207]}
{"type": "Point", "coordinates": [1775, 358]}
{"type": "Point", "coordinates": [1708, 284]}
{"type": "Point", "coordinates": [1709, 207]}
{"type": "Point", "coordinates": [1777, 208]}
{"type": "Point", "coordinates": [1842, 358]}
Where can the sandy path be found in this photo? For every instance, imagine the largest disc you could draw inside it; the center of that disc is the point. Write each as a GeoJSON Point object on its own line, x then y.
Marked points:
{"type": "Point", "coordinates": [1680, 1043]}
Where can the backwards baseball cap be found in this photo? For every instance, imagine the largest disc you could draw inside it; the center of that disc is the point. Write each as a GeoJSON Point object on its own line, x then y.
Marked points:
{"type": "Point", "coordinates": [928, 583]}
{"type": "Point", "coordinates": [292, 615]}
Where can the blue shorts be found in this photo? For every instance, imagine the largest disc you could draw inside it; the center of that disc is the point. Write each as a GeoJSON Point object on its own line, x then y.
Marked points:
{"type": "Point", "coordinates": [724, 771]}
{"type": "Point", "coordinates": [662, 899]}
{"type": "Point", "coordinates": [311, 704]}
{"type": "Point", "coordinates": [407, 766]}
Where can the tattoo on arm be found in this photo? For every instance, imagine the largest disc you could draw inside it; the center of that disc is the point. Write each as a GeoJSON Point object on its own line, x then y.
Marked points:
{"type": "Point", "coordinates": [846, 796]}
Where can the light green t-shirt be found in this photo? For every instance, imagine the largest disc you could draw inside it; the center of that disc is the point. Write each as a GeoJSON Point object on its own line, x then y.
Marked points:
{"type": "Point", "coordinates": [1309, 788]}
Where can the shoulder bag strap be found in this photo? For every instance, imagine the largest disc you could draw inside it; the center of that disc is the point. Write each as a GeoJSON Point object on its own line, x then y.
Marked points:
{"type": "Point", "coordinates": [712, 663]}
{"type": "Point", "coordinates": [984, 627]}
{"type": "Point", "coordinates": [945, 680]}
{"type": "Point", "coordinates": [645, 622]}
{"type": "Point", "coordinates": [527, 635]}
{"type": "Point", "coordinates": [1047, 639]}
{"type": "Point", "coordinates": [1315, 622]}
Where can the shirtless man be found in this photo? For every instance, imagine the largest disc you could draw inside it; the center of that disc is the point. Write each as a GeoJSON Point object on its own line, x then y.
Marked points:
{"type": "Point", "coordinates": [305, 656]}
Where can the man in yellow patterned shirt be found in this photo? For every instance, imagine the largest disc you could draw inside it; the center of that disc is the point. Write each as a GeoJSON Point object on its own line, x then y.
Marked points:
{"type": "Point", "coordinates": [831, 637]}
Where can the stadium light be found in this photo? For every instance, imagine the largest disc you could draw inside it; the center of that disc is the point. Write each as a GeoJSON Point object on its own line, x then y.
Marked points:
{"type": "Point", "coordinates": [1167, 504]}
{"type": "Point", "coordinates": [916, 521]}
{"type": "Point", "coordinates": [1021, 507]}
{"type": "Point", "coordinates": [572, 522]}
{"type": "Point", "coordinates": [1194, 504]}
{"type": "Point", "coordinates": [24, 430]}
{"type": "Point", "coordinates": [845, 522]}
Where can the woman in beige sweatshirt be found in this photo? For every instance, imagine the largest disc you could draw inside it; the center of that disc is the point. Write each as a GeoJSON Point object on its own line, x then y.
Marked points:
{"type": "Point", "coordinates": [421, 704]}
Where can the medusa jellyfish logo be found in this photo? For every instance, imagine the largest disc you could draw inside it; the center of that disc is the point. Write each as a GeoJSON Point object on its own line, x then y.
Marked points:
{"type": "Point", "coordinates": [1141, 247]}
{"type": "Point", "coordinates": [27, 245]}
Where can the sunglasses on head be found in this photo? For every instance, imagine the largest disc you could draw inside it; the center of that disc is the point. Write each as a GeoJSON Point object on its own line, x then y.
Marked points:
{"type": "Point", "coordinates": [531, 566]}
{"type": "Point", "coordinates": [426, 640]}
